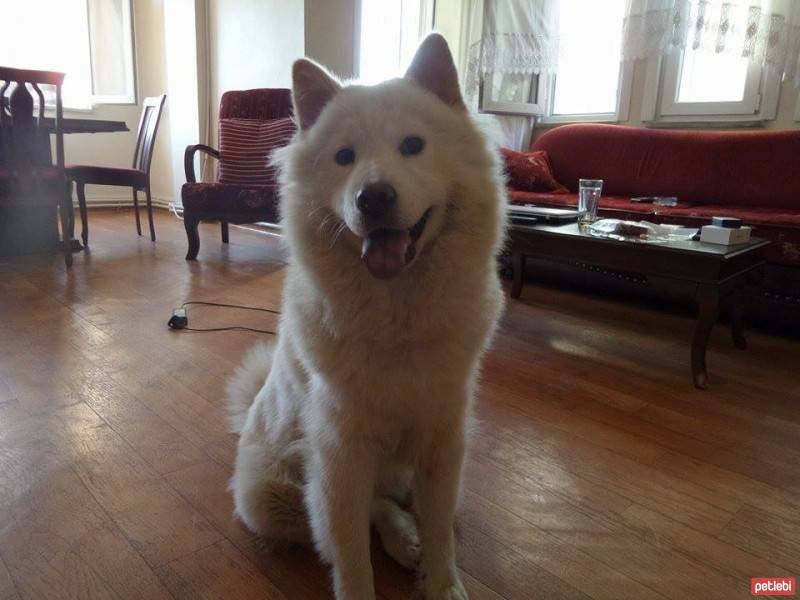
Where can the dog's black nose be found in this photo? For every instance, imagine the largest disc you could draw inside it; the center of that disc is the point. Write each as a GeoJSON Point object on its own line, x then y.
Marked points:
{"type": "Point", "coordinates": [376, 200]}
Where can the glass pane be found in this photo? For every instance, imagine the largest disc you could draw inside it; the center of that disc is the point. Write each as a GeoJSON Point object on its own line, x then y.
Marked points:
{"type": "Point", "coordinates": [514, 87]}
{"type": "Point", "coordinates": [380, 40]}
{"type": "Point", "coordinates": [59, 42]}
{"type": "Point", "coordinates": [110, 36]}
{"type": "Point", "coordinates": [591, 42]}
{"type": "Point", "coordinates": [390, 32]}
{"type": "Point", "coordinates": [708, 77]}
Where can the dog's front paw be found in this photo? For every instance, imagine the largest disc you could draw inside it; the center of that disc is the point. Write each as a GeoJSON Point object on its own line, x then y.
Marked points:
{"type": "Point", "coordinates": [453, 591]}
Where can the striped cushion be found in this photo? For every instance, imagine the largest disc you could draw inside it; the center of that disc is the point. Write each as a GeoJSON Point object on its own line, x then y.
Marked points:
{"type": "Point", "coordinates": [245, 146]}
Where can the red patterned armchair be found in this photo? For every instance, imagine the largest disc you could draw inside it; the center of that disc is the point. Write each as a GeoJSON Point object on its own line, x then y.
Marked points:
{"type": "Point", "coordinates": [251, 124]}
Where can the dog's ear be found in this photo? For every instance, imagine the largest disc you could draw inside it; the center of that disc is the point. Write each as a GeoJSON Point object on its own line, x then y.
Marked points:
{"type": "Point", "coordinates": [312, 88]}
{"type": "Point", "coordinates": [433, 69]}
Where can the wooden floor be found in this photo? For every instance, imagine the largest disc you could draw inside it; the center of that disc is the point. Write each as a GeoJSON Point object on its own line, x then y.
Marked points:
{"type": "Point", "coordinates": [597, 471]}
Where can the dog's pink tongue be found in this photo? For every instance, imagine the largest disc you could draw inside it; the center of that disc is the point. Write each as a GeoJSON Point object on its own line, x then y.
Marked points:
{"type": "Point", "coordinates": [384, 254]}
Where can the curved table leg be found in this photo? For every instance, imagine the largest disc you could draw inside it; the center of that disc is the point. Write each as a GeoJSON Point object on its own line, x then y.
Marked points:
{"type": "Point", "coordinates": [707, 298]}
{"type": "Point", "coordinates": [518, 273]}
{"type": "Point", "coordinates": [737, 321]}
{"type": "Point", "coordinates": [66, 212]}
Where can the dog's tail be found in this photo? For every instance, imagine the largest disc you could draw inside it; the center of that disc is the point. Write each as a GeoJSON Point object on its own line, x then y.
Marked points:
{"type": "Point", "coordinates": [247, 381]}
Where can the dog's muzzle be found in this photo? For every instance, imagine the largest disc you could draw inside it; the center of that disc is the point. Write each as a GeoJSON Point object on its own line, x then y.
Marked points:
{"type": "Point", "coordinates": [387, 252]}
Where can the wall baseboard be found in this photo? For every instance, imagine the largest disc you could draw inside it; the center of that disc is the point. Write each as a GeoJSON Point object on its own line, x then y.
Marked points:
{"type": "Point", "coordinates": [270, 229]}
{"type": "Point", "coordinates": [121, 202]}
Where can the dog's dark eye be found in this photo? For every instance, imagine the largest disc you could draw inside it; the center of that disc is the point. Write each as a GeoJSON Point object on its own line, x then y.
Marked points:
{"type": "Point", "coordinates": [412, 145]}
{"type": "Point", "coordinates": [345, 156]}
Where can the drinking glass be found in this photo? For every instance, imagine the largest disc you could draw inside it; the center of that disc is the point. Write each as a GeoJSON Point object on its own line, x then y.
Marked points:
{"type": "Point", "coordinates": [588, 199]}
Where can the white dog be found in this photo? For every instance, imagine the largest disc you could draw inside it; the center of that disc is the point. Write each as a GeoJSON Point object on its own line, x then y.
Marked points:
{"type": "Point", "coordinates": [393, 209]}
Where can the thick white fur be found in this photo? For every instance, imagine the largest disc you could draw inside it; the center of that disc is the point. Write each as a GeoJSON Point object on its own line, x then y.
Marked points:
{"type": "Point", "coordinates": [365, 397]}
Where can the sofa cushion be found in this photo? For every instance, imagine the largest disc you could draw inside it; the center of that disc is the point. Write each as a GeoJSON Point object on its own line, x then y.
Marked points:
{"type": "Point", "coordinates": [739, 168]}
{"type": "Point", "coordinates": [218, 200]}
{"type": "Point", "coordinates": [245, 146]}
{"type": "Point", "coordinates": [530, 171]}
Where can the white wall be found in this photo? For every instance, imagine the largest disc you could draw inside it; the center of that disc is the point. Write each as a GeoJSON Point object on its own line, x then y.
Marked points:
{"type": "Point", "coordinates": [332, 33]}
{"type": "Point", "coordinates": [180, 51]}
{"type": "Point", "coordinates": [252, 44]}
{"type": "Point", "coordinates": [116, 149]}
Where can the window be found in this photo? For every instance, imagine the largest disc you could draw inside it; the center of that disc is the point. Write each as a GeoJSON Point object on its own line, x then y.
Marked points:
{"type": "Point", "coordinates": [588, 79]}
{"type": "Point", "coordinates": [390, 32]}
{"type": "Point", "coordinates": [700, 85]}
{"type": "Point", "coordinates": [91, 41]}
{"type": "Point", "coordinates": [591, 84]}
{"type": "Point", "coordinates": [514, 93]}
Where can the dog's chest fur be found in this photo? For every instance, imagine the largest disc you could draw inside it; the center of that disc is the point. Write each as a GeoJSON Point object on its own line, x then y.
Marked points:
{"type": "Point", "coordinates": [400, 351]}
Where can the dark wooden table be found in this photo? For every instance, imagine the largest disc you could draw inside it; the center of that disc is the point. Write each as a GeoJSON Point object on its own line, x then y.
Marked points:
{"type": "Point", "coordinates": [717, 272]}
{"type": "Point", "coordinates": [42, 155]}
{"type": "Point", "coordinates": [89, 125]}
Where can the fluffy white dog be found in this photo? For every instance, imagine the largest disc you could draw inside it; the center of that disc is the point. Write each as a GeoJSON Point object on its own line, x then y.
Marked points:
{"type": "Point", "coordinates": [393, 209]}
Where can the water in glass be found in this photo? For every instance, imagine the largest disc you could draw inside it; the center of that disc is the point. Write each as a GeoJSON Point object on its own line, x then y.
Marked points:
{"type": "Point", "coordinates": [588, 199]}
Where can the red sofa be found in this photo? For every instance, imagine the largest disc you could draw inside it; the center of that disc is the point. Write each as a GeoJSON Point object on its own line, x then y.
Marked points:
{"type": "Point", "coordinates": [753, 175]}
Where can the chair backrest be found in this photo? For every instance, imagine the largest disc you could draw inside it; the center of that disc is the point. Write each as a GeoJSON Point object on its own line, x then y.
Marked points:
{"type": "Point", "coordinates": [146, 136]}
{"type": "Point", "coordinates": [21, 131]}
{"type": "Point", "coordinates": [263, 104]}
{"type": "Point", "coordinates": [245, 148]}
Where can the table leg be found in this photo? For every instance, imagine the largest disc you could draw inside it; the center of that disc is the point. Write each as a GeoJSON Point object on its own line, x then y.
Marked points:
{"type": "Point", "coordinates": [71, 212]}
{"type": "Point", "coordinates": [518, 273]}
{"type": "Point", "coordinates": [737, 320]}
{"type": "Point", "coordinates": [707, 298]}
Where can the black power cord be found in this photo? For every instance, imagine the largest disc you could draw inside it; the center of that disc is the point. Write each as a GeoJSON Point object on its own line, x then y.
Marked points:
{"type": "Point", "coordinates": [180, 317]}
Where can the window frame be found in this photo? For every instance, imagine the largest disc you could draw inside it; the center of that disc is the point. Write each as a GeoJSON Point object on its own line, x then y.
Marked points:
{"type": "Point", "coordinates": [701, 114]}
{"type": "Point", "coordinates": [427, 12]}
{"type": "Point", "coordinates": [537, 107]}
{"type": "Point", "coordinates": [624, 87]}
{"type": "Point", "coordinates": [545, 93]}
{"type": "Point", "coordinates": [129, 47]}
{"type": "Point", "coordinates": [96, 100]}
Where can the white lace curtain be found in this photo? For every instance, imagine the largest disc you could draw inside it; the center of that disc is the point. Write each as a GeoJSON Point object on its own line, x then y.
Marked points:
{"type": "Point", "coordinates": [511, 36]}
{"type": "Point", "coordinates": [764, 31]}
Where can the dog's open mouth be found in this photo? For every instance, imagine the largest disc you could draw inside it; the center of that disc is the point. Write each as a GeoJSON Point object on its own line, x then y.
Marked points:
{"type": "Point", "coordinates": [386, 252]}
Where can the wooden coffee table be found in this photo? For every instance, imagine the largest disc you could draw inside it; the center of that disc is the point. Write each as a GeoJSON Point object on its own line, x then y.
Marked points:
{"type": "Point", "coordinates": [717, 272]}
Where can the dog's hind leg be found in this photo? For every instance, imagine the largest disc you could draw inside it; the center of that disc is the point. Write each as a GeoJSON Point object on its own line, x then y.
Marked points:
{"type": "Point", "coordinates": [268, 495]}
{"type": "Point", "coordinates": [267, 482]}
{"type": "Point", "coordinates": [398, 531]}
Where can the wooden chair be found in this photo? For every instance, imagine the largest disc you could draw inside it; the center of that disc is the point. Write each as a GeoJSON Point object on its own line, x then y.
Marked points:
{"type": "Point", "coordinates": [137, 177]}
{"type": "Point", "coordinates": [29, 181]}
{"type": "Point", "coordinates": [227, 202]}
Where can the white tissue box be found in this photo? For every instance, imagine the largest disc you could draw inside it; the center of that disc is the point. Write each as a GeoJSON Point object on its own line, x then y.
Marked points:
{"type": "Point", "coordinates": [712, 234]}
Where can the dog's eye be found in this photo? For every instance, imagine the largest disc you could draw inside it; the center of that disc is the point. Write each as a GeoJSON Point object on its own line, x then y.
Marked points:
{"type": "Point", "coordinates": [345, 156]}
{"type": "Point", "coordinates": [412, 145]}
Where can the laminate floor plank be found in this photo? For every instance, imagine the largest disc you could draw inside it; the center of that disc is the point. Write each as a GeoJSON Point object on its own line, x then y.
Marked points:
{"type": "Point", "coordinates": [596, 470]}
